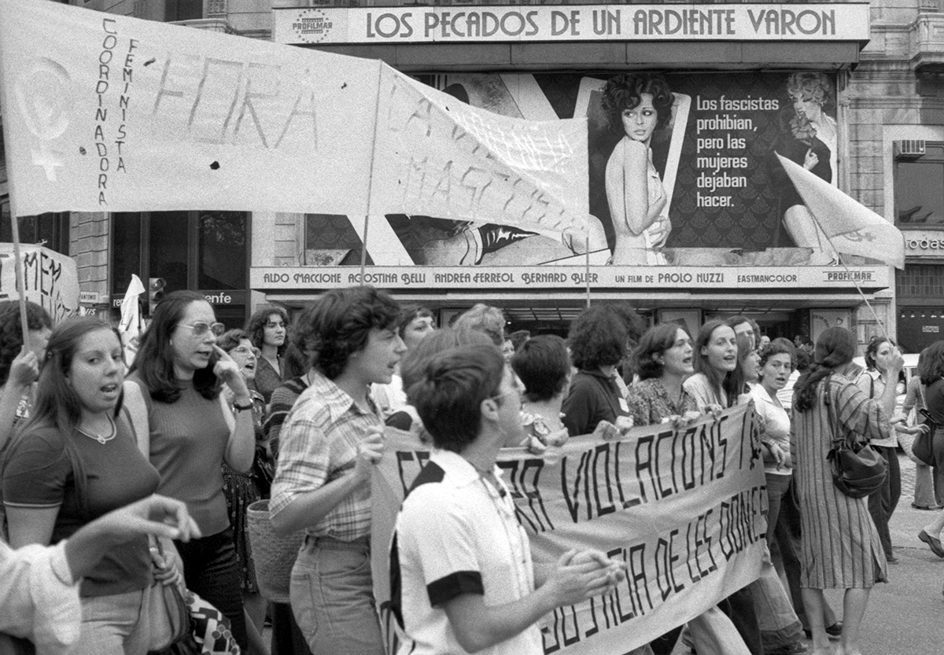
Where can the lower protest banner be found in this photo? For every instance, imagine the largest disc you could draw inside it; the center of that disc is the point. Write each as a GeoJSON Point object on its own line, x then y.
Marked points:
{"type": "Point", "coordinates": [685, 509]}
{"type": "Point", "coordinates": [52, 279]}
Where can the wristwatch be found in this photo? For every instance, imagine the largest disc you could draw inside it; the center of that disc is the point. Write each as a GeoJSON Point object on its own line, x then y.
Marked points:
{"type": "Point", "coordinates": [242, 408]}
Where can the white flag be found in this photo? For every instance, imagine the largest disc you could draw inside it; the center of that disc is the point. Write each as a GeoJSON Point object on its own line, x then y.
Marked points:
{"type": "Point", "coordinates": [130, 327]}
{"type": "Point", "coordinates": [852, 227]}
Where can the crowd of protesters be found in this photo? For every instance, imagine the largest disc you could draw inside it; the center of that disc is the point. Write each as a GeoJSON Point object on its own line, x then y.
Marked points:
{"type": "Point", "coordinates": [295, 413]}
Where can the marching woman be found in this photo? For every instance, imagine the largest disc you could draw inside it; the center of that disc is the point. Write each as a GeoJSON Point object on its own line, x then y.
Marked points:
{"type": "Point", "coordinates": [268, 331]}
{"type": "Point", "coordinates": [715, 387]}
{"type": "Point", "coordinates": [840, 547]}
{"type": "Point", "coordinates": [597, 340]}
{"type": "Point", "coordinates": [180, 371]}
{"type": "Point", "coordinates": [662, 360]}
{"type": "Point", "coordinates": [74, 461]}
{"type": "Point", "coordinates": [243, 489]}
{"type": "Point", "coordinates": [873, 381]}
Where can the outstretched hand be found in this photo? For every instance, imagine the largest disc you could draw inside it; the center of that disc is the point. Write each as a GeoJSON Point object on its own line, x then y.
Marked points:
{"type": "Point", "coordinates": [156, 515]}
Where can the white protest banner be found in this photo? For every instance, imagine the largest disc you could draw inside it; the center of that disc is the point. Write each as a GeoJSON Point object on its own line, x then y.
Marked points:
{"type": "Point", "coordinates": [105, 112]}
{"type": "Point", "coordinates": [52, 280]}
{"type": "Point", "coordinates": [685, 510]}
{"type": "Point", "coordinates": [438, 156]}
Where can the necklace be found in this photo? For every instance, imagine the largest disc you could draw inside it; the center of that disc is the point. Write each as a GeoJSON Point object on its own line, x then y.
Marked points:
{"type": "Point", "coordinates": [100, 438]}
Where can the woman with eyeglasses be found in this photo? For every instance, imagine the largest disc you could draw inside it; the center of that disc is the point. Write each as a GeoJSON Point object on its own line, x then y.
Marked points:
{"type": "Point", "coordinates": [180, 370]}
{"type": "Point", "coordinates": [243, 489]}
{"type": "Point", "coordinates": [268, 332]}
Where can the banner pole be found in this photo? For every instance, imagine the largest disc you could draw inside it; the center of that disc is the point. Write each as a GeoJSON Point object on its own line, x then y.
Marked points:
{"type": "Point", "coordinates": [364, 248]}
{"type": "Point", "coordinates": [587, 263]}
{"type": "Point", "coordinates": [5, 108]}
{"type": "Point", "coordinates": [878, 321]}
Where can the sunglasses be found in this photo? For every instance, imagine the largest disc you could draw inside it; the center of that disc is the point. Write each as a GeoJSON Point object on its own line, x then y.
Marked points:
{"type": "Point", "coordinates": [200, 328]}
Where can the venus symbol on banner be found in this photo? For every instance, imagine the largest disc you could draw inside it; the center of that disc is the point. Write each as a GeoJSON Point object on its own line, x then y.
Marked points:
{"type": "Point", "coordinates": [44, 97]}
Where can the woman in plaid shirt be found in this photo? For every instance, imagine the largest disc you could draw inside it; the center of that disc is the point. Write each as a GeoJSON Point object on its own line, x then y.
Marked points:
{"type": "Point", "coordinates": [329, 443]}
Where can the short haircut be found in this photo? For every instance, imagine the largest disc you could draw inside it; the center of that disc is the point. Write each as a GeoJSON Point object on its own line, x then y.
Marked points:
{"type": "Point", "coordinates": [408, 314]}
{"type": "Point", "coordinates": [811, 85]}
{"type": "Point", "coordinates": [255, 326]}
{"type": "Point", "coordinates": [599, 334]}
{"type": "Point", "coordinates": [155, 359]}
{"type": "Point", "coordinates": [450, 391]}
{"type": "Point", "coordinates": [484, 318]}
{"type": "Point", "coordinates": [778, 347]}
{"type": "Point", "coordinates": [654, 342]}
{"type": "Point", "coordinates": [231, 338]}
{"type": "Point", "coordinates": [415, 360]}
{"type": "Point", "coordinates": [625, 92]}
{"type": "Point", "coordinates": [339, 322]}
{"type": "Point", "coordinates": [543, 365]}
{"type": "Point", "coordinates": [11, 333]}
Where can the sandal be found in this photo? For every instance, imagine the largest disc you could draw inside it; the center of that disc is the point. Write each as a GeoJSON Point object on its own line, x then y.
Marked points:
{"type": "Point", "coordinates": [933, 543]}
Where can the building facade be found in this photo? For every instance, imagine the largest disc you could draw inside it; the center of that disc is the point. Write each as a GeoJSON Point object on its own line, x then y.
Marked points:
{"type": "Point", "coordinates": [736, 246]}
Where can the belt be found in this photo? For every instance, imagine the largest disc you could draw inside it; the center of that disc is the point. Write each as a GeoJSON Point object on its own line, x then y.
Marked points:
{"type": "Point", "coordinates": [330, 543]}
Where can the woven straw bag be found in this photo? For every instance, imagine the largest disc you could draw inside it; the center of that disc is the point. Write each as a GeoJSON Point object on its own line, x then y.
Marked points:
{"type": "Point", "coordinates": [273, 555]}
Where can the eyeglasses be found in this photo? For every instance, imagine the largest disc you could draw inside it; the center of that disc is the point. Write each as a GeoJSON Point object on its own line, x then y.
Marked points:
{"type": "Point", "coordinates": [200, 328]}
{"type": "Point", "coordinates": [244, 350]}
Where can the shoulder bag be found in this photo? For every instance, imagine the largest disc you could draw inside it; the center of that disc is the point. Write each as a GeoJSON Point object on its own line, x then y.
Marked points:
{"type": "Point", "coordinates": [857, 469]}
{"type": "Point", "coordinates": [169, 614]}
{"type": "Point", "coordinates": [923, 445]}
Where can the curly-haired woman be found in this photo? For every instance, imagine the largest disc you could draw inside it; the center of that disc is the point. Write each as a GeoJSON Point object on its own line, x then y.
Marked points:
{"type": "Point", "coordinates": [598, 339]}
{"type": "Point", "coordinates": [636, 104]}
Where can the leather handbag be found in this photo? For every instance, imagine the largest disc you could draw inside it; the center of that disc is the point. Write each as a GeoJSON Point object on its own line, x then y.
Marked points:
{"type": "Point", "coordinates": [857, 469]}
{"type": "Point", "coordinates": [169, 614]}
{"type": "Point", "coordinates": [923, 445]}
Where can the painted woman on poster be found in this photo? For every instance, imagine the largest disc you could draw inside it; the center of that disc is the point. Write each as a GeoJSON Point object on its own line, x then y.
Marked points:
{"type": "Point", "coordinates": [637, 104]}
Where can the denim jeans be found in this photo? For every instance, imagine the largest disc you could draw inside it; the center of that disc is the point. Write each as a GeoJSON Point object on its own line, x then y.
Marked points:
{"type": "Point", "coordinates": [739, 607]}
{"type": "Point", "coordinates": [115, 624]}
{"type": "Point", "coordinates": [882, 502]}
{"type": "Point", "coordinates": [779, 624]}
{"type": "Point", "coordinates": [211, 572]}
{"type": "Point", "coordinates": [333, 598]}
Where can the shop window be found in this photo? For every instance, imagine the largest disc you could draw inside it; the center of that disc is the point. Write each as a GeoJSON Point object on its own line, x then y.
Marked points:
{"type": "Point", "coordinates": [920, 281]}
{"type": "Point", "coordinates": [50, 230]}
{"type": "Point", "coordinates": [201, 250]}
{"type": "Point", "coordinates": [183, 10]}
{"type": "Point", "coordinates": [919, 188]}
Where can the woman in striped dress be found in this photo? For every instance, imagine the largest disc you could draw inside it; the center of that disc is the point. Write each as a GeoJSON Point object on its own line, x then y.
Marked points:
{"type": "Point", "coordinates": [840, 546]}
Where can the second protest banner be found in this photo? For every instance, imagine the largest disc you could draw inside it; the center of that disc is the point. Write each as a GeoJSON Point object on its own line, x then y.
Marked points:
{"type": "Point", "coordinates": [684, 509]}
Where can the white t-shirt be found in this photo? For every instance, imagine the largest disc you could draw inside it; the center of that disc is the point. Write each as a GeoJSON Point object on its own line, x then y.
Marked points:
{"type": "Point", "coordinates": [776, 423]}
{"type": "Point", "coordinates": [457, 534]}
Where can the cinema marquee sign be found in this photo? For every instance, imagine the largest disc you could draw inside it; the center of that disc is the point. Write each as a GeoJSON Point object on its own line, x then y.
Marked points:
{"type": "Point", "coordinates": [523, 23]}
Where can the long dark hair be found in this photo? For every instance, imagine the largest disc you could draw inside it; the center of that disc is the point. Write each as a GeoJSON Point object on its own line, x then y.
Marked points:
{"type": "Point", "coordinates": [835, 348]}
{"type": "Point", "coordinates": [56, 404]}
{"type": "Point", "coordinates": [655, 341]}
{"type": "Point", "coordinates": [724, 381]}
{"type": "Point", "coordinates": [255, 326]}
{"type": "Point", "coordinates": [155, 359]}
